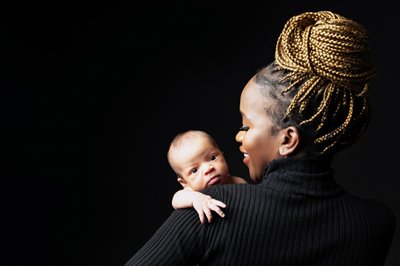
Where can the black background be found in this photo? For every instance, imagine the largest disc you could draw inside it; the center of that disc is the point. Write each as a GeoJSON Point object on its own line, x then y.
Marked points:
{"type": "Point", "coordinates": [92, 92]}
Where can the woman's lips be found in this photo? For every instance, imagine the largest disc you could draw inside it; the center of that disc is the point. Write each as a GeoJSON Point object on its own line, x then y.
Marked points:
{"type": "Point", "coordinates": [246, 158]}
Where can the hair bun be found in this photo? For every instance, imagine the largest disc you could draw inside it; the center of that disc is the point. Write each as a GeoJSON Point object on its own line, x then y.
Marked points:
{"type": "Point", "coordinates": [327, 45]}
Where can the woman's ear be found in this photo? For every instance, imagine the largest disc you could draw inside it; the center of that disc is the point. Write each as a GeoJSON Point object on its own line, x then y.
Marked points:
{"type": "Point", "coordinates": [290, 141]}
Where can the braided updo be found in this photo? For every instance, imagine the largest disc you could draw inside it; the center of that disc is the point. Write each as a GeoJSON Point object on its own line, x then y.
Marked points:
{"type": "Point", "coordinates": [327, 66]}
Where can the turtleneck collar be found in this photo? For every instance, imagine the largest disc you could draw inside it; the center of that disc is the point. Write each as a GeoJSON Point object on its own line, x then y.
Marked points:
{"type": "Point", "coordinates": [304, 176]}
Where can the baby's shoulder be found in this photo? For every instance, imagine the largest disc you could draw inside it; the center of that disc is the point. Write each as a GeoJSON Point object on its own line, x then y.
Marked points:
{"type": "Point", "coordinates": [238, 180]}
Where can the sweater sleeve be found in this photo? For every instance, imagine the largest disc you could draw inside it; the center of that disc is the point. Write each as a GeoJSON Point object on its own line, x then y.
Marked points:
{"type": "Point", "coordinates": [176, 242]}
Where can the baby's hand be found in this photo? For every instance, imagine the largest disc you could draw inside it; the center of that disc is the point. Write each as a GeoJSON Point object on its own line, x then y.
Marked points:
{"type": "Point", "coordinates": [204, 204]}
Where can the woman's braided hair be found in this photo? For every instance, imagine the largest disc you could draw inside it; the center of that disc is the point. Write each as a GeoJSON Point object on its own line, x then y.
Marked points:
{"type": "Point", "coordinates": [327, 60]}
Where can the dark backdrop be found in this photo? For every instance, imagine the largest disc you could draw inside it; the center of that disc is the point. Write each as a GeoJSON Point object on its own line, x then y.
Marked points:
{"type": "Point", "coordinates": [92, 92]}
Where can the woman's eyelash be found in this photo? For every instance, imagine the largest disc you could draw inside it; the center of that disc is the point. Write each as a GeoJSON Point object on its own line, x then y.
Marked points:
{"type": "Point", "coordinates": [243, 128]}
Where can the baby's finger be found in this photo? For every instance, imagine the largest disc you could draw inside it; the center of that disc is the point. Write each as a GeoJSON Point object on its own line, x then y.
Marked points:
{"type": "Point", "coordinates": [218, 203]}
{"type": "Point", "coordinates": [208, 214]}
{"type": "Point", "coordinates": [216, 209]}
{"type": "Point", "coordinates": [201, 216]}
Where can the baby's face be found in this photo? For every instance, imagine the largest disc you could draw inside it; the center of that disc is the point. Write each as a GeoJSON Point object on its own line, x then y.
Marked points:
{"type": "Point", "coordinates": [201, 164]}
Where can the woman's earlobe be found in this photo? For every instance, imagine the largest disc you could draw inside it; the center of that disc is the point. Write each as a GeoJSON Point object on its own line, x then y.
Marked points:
{"type": "Point", "coordinates": [282, 151]}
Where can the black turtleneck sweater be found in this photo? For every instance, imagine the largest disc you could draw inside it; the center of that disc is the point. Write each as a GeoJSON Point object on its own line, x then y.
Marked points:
{"type": "Point", "coordinates": [297, 215]}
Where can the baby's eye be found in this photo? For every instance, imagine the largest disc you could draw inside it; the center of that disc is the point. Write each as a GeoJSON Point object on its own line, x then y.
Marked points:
{"type": "Point", "coordinates": [243, 128]}
{"type": "Point", "coordinates": [213, 157]}
{"type": "Point", "coordinates": [193, 171]}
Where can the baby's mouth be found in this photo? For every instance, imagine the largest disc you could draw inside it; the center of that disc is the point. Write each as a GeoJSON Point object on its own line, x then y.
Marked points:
{"type": "Point", "coordinates": [214, 180]}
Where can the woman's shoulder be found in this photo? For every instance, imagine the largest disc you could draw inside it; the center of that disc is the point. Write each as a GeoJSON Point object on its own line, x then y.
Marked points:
{"type": "Point", "coordinates": [374, 209]}
{"type": "Point", "coordinates": [381, 209]}
{"type": "Point", "coordinates": [239, 185]}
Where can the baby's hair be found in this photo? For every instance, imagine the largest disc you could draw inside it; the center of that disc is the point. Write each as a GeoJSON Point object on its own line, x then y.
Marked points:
{"type": "Point", "coordinates": [192, 134]}
{"type": "Point", "coordinates": [328, 65]}
{"type": "Point", "coordinates": [183, 136]}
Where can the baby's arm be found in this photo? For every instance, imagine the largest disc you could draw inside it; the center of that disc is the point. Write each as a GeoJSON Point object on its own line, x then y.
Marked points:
{"type": "Point", "coordinates": [202, 203]}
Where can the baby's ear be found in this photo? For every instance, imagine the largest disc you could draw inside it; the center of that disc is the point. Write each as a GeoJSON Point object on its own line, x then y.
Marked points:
{"type": "Point", "coordinates": [182, 182]}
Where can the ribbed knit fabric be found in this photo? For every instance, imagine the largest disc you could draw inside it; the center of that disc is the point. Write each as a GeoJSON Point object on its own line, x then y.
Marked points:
{"type": "Point", "coordinates": [297, 215]}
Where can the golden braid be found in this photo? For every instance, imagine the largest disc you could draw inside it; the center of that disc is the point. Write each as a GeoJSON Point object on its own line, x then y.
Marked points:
{"type": "Point", "coordinates": [327, 57]}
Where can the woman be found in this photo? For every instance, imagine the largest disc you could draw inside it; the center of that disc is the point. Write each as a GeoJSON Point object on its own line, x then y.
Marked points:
{"type": "Point", "coordinates": [297, 113]}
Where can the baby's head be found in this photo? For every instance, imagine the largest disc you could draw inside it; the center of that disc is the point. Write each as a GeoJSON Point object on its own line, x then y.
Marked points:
{"type": "Point", "coordinates": [197, 160]}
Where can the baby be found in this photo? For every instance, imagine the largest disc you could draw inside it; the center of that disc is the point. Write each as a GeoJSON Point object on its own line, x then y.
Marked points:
{"type": "Point", "coordinates": [199, 163]}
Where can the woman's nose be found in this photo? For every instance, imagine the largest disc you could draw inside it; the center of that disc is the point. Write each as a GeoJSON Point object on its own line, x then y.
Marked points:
{"type": "Point", "coordinates": [239, 136]}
